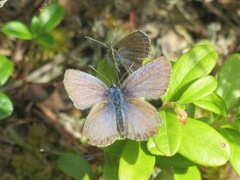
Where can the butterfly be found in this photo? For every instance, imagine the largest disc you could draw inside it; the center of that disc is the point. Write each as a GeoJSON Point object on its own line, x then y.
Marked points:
{"type": "Point", "coordinates": [129, 51]}
{"type": "Point", "coordinates": [119, 111]}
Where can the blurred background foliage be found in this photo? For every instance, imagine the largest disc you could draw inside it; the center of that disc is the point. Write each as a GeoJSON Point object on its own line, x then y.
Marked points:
{"type": "Point", "coordinates": [44, 123]}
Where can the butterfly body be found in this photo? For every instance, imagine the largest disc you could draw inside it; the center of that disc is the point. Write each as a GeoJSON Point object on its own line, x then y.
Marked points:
{"type": "Point", "coordinates": [118, 102]}
{"type": "Point", "coordinates": [118, 112]}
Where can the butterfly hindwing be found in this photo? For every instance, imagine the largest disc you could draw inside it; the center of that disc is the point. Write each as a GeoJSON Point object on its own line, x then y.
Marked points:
{"type": "Point", "coordinates": [141, 120]}
{"type": "Point", "coordinates": [100, 127]}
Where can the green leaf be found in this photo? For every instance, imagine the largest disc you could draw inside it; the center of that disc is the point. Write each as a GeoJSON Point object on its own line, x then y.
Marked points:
{"type": "Point", "coordinates": [75, 166]}
{"type": "Point", "coordinates": [196, 63]}
{"type": "Point", "coordinates": [35, 25]}
{"type": "Point", "coordinates": [199, 89]}
{"type": "Point", "coordinates": [169, 136]}
{"type": "Point", "coordinates": [136, 162]}
{"type": "Point", "coordinates": [152, 148]}
{"type": "Point", "coordinates": [203, 144]}
{"type": "Point", "coordinates": [233, 139]}
{"type": "Point", "coordinates": [107, 73]}
{"type": "Point", "coordinates": [189, 173]}
{"type": "Point", "coordinates": [176, 161]}
{"type": "Point", "coordinates": [6, 69]}
{"type": "Point", "coordinates": [46, 40]}
{"type": "Point", "coordinates": [6, 106]}
{"type": "Point", "coordinates": [17, 29]}
{"type": "Point", "coordinates": [228, 81]}
{"type": "Point", "coordinates": [112, 155]}
{"type": "Point", "coordinates": [51, 17]}
{"type": "Point", "coordinates": [213, 103]}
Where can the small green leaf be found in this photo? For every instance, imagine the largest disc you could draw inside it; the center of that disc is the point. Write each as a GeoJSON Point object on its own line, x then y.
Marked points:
{"type": "Point", "coordinates": [46, 39]}
{"type": "Point", "coordinates": [228, 81]}
{"type": "Point", "coordinates": [111, 165]}
{"type": "Point", "coordinates": [51, 17]}
{"type": "Point", "coordinates": [35, 25]}
{"type": "Point", "coordinates": [136, 162]}
{"type": "Point", "coordinates": [75, 166]}
{"type": "Point", "coordinates": [189, 173]}
{"type": "Point", "coordinates": [196, 63]}
{"type": "Point", "coordinates": [176, 161]}
{"type": "Point", "coordinates": [169, 136]}
{"type": "Point", "coordinates": [199, 89]}
{"type": "Point", "coordinates": [152, 148]}
{"type": "Point", "coordinates": [233, 139]}
{"type": "Point", "coordinates": [112, 155]}
{"type": "Point", "coordinates": [203, 144]}
{"type": "Point", "coordinates": [213, 103]}
{"type": "Point", "coordinates": [6, 69]}
{"type": "Point", "coordinates": [17, 29]}
{"type": "Point", "coordinates": [107, 73]}
{"type": "Point", "coordinates": [6, 106]}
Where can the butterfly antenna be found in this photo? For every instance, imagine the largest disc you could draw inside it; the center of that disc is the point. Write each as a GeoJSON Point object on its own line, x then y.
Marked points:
{"type": "Point", "coordinates": [100, 73]}
{"type": "Point", "coordinates": [94, 40]}
{"type": "Point", "coordinates": [114, 33]}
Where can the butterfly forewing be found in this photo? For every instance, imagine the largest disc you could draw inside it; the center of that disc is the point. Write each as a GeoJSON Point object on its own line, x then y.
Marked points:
{"type": "Point", "coordinates": [141, 120]}
{"type": "Point", "coordinates": [132, 49]}
{"type": "Point", "coordinates": [100, 127]}
{"type": "Point", "coordinates": [85, 90]}
{"type": "Point", "coordinates": [150, 81]}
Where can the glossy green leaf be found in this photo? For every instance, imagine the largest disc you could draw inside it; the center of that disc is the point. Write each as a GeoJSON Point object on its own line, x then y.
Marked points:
{"type": "Point", "coordinates": [233, 138]}
{"type": "Point", "coordinates": [111, 165]}
{"type": "Point", "coordinates": [112, 155]}
{"type": "Point", "coordinates": [176, 161]}
{"type": "Point", "coordinates": [46, 39]}
{"type": "Point", "coordinates": [196, 63]}
{"type": "Point", "coordinates": [188, 173]}
{"type": "Point", "coordinates": [169, 136]}
{"type": "Point", "coordinates": [136, 162]}
{"type": "Point", "coordinates": [51, 17]}
{"type": "Point", "coordinates": [6, 106]}
{"type": "Point", "coordinates": [107, 73]}
{"type": "Point", "coordinates": [35, 25]}
{"type": "Point", "coordinates": [229, 81]}
{"type": "Point", "coordinates": [6, 69]}
{"type": "Point", "coordinates": [16, 29]}
{"type": "Point", "coordinates": [75, 166]}
{"type": "Point", "coordinates": [203, 144]}
{"type": "Point", "coordinates": [199, 89]}
{"type": "Point", "coordinates": [213, 103]}
{"type": "Point", "coordinates": [152, 148]}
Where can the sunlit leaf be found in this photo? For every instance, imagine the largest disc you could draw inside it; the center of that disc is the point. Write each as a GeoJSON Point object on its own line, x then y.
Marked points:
{"type": "Point", "coordinates": [203, 144]}
{"type": "Point", "coordinates": [16, 29]}
{"type": "Point", "coordinates": [51, 17]}
{"type": "Point", "coordinates": [187, 173]}
{"type": "Point", "coordinates": [196, 63]}
{"type": "Point", "coordinates": [233, 139]}
{"type": "Point", "coordinates": [6, 106]}
{"type": "Point", "coordinates": [213, 103]}
{"type": "Point", "coordinates": [229, 81]}
{"type": "Point", "coordinates": [169, 136]}
{"type": "Point", "coordinates": [136, 162]}
{"type": "Point", "coordinates": [199, 89]}
{"type": "Point", "coordinates": [6, 69]}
